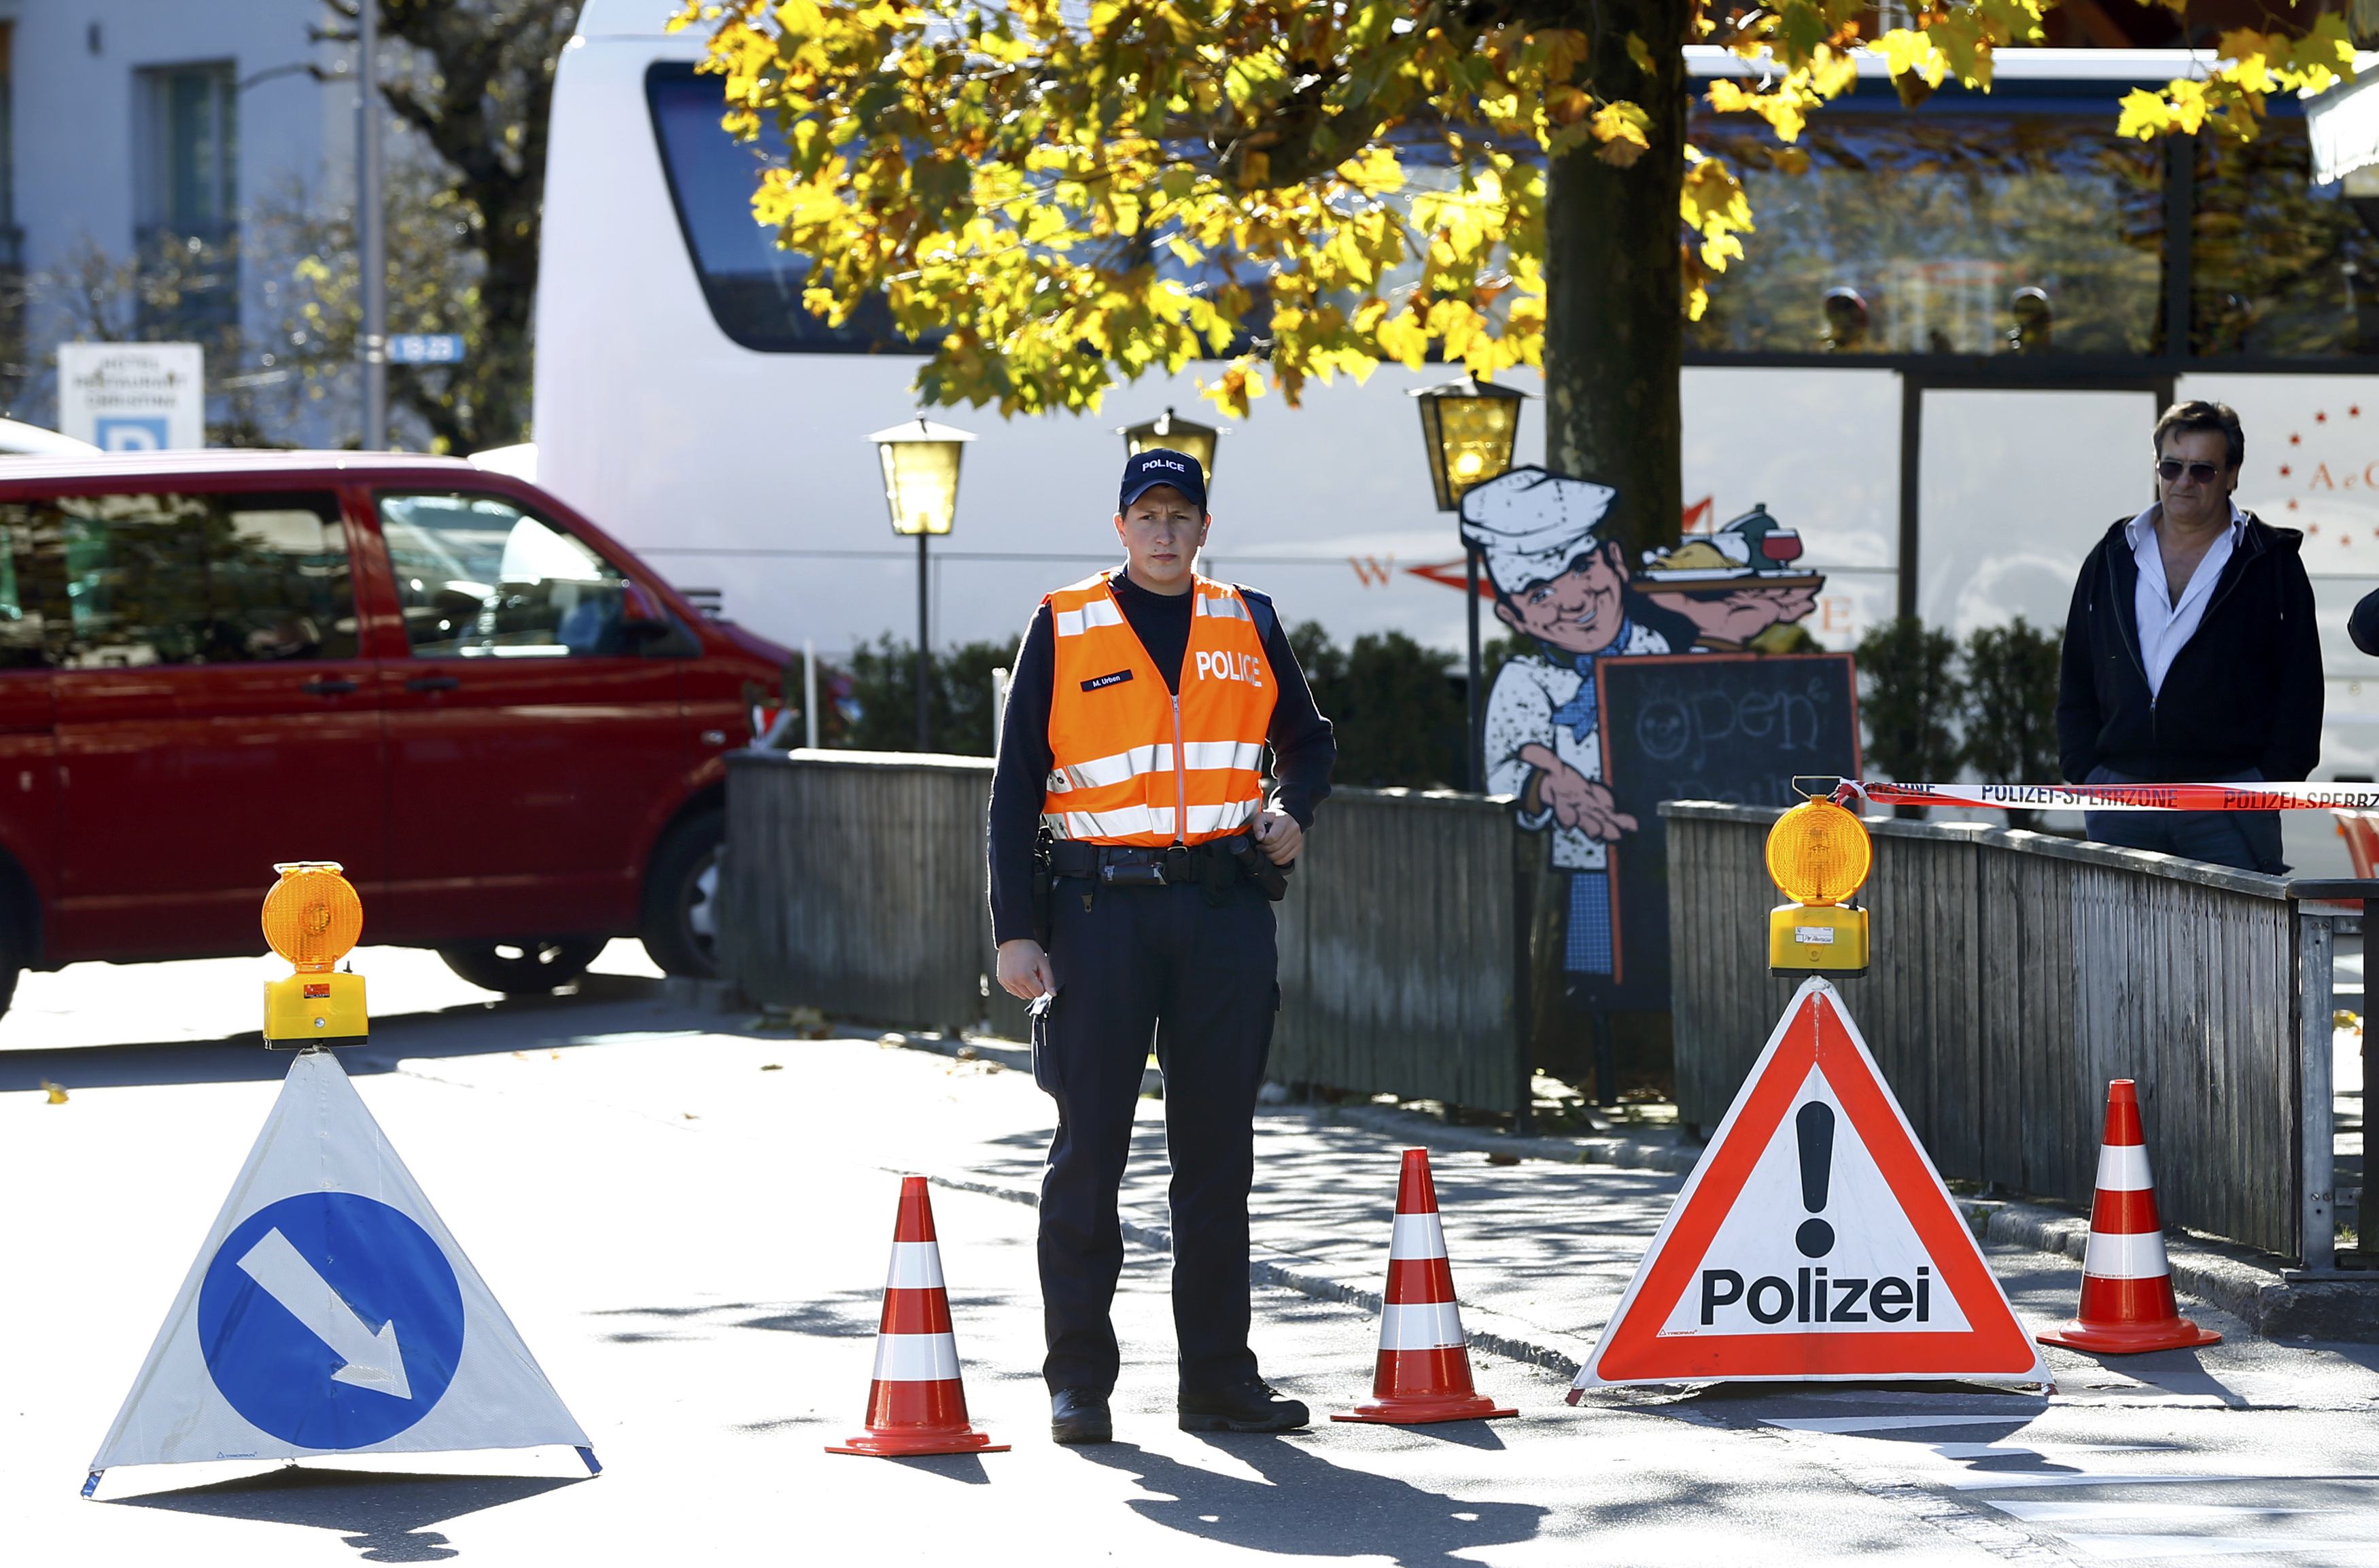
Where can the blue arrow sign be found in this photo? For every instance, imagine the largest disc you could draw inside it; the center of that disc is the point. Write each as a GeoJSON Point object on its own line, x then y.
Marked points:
{"type": "Point", "coordinates": [330, 1320]}
{"type": "Point", "coordinates": [425, 348]}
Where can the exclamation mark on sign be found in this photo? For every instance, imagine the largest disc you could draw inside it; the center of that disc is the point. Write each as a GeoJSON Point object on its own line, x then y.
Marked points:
{"type": "Point", "coordinates": [1815, 1124]}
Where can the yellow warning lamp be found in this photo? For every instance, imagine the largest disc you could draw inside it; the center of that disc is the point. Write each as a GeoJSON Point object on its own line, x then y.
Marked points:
{"type": "Point", "coordinates": [312, 917]}
{"type": "Point", "coordinates": [1817, 855]}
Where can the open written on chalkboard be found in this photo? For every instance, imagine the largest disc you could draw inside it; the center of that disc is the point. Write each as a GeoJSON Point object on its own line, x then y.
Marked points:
{"type": "Point", "coordinates": [1703, 727]}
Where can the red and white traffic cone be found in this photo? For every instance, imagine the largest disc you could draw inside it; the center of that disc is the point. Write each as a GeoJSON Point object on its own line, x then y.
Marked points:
{"type": "Point", "coordinates": [2127, 1305]}
{"type": "Point", "coordinates": [1424, 1368]}
{"type": "Point", "coordinates": [916, 1405]}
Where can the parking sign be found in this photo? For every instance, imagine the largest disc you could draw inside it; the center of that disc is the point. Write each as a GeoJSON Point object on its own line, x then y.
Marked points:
{"type": "Point", "coordinates": [133, 396]}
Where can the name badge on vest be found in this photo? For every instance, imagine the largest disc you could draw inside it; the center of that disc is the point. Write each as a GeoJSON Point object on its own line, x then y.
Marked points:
{"type": "Point", "coordinates": [1118, 678]}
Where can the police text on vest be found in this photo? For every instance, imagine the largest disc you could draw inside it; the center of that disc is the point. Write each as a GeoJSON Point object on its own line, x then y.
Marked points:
{"type": "Point", "coordinates": [1230, 667]}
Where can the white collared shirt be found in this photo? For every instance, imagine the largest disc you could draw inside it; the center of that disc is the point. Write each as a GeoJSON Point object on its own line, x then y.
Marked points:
{"type": "Point", "coordinates": [2165, 627]}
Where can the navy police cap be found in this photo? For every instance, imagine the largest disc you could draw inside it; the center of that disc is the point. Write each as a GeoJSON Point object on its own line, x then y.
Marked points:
{"type": "Point", "coordinates": [1144, 471]}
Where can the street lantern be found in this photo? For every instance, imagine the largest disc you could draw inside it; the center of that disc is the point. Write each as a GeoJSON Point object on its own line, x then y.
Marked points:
{"type": "Point", "coordinates": [1174, 433]}
{"type": "Point", "coordinates": [1469, 427]}
{"type": "Point", "coordinates": [921, 474]}
{"type": "Point", "coordinates": [921, 487]}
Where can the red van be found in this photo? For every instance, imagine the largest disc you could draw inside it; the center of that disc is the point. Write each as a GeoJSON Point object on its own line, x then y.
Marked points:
{"type": "Point", "coordinates": [507, 728]}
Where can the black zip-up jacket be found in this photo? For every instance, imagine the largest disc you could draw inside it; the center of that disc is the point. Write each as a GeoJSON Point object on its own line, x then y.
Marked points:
{"type": "Point", "coordinates": [2244, 692]}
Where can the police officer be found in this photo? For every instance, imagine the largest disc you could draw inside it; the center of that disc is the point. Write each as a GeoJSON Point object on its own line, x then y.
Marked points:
{"type": "Point", "coordinates": [1129, 798]}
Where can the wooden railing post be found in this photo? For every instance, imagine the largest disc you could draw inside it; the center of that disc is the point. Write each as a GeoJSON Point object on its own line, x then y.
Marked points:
{"type": "Point", "coordinates": [2316, 1132]}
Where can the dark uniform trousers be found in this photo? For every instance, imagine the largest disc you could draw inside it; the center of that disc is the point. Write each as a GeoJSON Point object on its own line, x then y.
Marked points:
{"type": "Point", "coordinates": [1202, 980]}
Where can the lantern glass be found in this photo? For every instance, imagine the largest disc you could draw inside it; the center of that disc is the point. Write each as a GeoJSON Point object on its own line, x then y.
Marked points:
{"type": "Point", "coordinates": [1174, 433]}
{"type": "Point", "coordinates": [921, 476]}
{"type": "Point", "coordinates": [1470, 426]}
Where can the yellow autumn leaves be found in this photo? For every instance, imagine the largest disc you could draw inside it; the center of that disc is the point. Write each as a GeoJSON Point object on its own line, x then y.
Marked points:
{"type": "Point", "coordinates": [1058, 197]}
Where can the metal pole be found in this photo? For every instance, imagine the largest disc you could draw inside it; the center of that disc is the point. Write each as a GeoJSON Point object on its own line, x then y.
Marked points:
{"type": "Point", "coordinates": [809, 693]}
{"type": "Point", "coordinates": [371, 242]}
{"type": "Point", "coordinates": [925, 680]}
{"type": "Point", "coordinates": [1477, 759]}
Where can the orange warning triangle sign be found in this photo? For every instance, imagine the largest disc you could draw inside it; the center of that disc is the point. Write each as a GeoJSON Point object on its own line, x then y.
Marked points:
{"type": "Point", "coordinates": [1814, 1240]}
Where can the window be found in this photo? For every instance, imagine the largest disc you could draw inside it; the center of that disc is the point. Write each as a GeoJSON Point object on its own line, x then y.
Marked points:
{"type": "Point", "coordinates": [22, 645]}
{"type": "Point", "coordinates": [2279, 265]}
{"type": "Point", "coordinates": [753, 288]}
{"type": "Point", "coordinates": [187, 192]}
{"type": "Point", "coordinates": [12, 238]}
{"type": "Point", "coordinates": [1940, 232]}
{"type": "Point", "coordinates": [479, 578]}
{"type": "Point", "coordinates": [116, 581]}
{"type": "Point", "coordinates": [9, 234]}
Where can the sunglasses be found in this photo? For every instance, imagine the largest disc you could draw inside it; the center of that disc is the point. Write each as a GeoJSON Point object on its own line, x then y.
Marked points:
{"type": "Point", "coordinates": [2172, 469]}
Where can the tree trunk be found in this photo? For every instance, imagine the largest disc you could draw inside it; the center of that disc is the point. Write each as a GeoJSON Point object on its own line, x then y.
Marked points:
{"type": "Point", "coordinates": [484, 112]}
{"type": "Point", "coordinates": [1614, 341]}
{"type": "Point", "coordinates": [1614, 290]}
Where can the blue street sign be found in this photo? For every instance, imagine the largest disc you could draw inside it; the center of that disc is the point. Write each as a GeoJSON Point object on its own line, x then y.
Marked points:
{"type": "Point", "coordinates": [330, 1320]}
{"type": "Point", "coordinates": [425, 348]}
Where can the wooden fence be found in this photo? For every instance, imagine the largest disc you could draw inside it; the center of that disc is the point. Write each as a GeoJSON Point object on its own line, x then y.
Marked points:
{"type": "Point", "coordinates": [853, 882]}
{"type": "Point", "coordinates": [2014, 974]}
{"type": "Point", "coordinates": [1399, 970]}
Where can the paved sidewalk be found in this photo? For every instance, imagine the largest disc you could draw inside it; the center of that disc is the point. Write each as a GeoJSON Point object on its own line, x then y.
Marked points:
{"type": "Point", "coordinates": [1542, 1249]}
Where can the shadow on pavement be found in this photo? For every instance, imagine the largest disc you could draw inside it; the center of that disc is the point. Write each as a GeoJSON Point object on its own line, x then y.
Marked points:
{"type": "Point", "coordinates": [967, 1467]}
{"type": "Point", "coordinates": [1904, 1405]}
{"type": "Point", "coordinates": [385, 1517]}
{"type": "Point", "coordinates": [605, 1005]}
{"type": "Point", "coordinates": [1461, 1434]}
{"type": "Point", "coordinates": [839, 1314]}
{"type": "Point", "coordinates": [1306, 1505]}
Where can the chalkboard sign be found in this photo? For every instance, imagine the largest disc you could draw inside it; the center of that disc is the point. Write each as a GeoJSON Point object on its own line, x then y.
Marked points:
{"type": "Point", "coordinates": [1703, 727]}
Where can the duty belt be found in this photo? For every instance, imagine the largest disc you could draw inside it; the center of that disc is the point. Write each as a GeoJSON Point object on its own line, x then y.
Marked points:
{"type": "Point", "coordinates": [1148, 865]}
{"type": "Point", "coordinates": [1217, 865]}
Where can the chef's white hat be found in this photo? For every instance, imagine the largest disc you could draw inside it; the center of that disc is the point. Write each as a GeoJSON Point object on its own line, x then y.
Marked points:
{"type": "Point", "coordinates": [1530, 525]}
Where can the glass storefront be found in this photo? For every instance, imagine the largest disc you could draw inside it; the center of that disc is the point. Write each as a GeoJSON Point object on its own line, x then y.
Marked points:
{"type": "Point", "coordinates": [2279, 267]}
{"type": "Point", "coordinates": [1899, 232]}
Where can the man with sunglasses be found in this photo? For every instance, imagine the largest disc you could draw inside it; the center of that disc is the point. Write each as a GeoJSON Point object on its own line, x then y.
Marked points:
{"type": "Point", "coordinates": [2190, 653]}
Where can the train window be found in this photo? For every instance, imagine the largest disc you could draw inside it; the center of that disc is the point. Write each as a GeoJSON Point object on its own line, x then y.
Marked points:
{"type": "Point", "coordinates": [1940, 232]}
{"type": "Point", "coordinates": [2280, 266]}
{"type": "Point", "coordinates": [753, 288]}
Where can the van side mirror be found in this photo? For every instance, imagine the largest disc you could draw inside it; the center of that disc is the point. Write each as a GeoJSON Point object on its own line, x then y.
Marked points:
{"type": "Point", "coordinates": [640, 614]}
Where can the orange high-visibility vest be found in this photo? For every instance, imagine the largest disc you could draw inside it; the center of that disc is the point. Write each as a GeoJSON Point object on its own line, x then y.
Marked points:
{"type": "Point", "coordinates": [1133, 763]}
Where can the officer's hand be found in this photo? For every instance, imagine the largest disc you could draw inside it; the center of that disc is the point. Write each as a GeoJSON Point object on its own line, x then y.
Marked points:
{"type": "Point", "coordinates": [1279, 837]}
{"type": "Point", "coordinates": [1584, 804]}
{"type": "Point", "coordinates": [1025, 970]}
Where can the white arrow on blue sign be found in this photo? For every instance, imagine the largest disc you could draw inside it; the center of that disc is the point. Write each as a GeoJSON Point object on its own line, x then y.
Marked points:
{"type": "Point", "coordinates": [330, 1312]}
{"type": "Point", "coordinates": [425, 348]}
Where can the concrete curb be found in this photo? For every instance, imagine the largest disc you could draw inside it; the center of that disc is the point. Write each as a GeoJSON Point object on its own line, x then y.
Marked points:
{"type": "Point", "coordinates": [2276, 1302]}
{"type": "Point", "coordinates": [1623, 1151]}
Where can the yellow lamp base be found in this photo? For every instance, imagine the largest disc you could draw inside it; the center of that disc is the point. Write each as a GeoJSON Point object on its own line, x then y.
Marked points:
{"type": "Point", "coordinates": [1817, 939]}
{"type": "Point", "coordinates": [315, 1009]}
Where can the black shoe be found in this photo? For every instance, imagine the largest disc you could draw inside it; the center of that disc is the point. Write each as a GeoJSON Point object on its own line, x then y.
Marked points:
{"type": "Point", "coordinates": [1250, 1406]}
{"type": "Point", "coordinates": [1078, 1415]}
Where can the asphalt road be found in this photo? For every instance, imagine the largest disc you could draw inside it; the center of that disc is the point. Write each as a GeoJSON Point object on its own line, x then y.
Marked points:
{"type": "Point", "coordinates": [689, 1225]}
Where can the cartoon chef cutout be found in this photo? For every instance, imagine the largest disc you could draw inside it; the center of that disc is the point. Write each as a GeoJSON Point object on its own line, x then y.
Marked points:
{"type": "Point", "coordinates": [1561, 585]}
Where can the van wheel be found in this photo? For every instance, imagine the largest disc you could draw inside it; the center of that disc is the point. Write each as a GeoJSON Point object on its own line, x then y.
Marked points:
{"type": "Point", "coordinates": [522, 968]}
{"type": "Point", "coordinates": [680, 920]}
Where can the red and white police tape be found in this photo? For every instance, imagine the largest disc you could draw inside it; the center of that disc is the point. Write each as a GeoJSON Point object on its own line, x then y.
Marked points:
{"type": "Point", "coordinates": [2109, 796]}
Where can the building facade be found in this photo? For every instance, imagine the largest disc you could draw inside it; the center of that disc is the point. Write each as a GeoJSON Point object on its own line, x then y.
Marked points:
{"type": "Point", "coordinates": [161, 163]}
